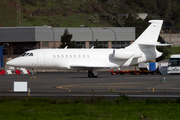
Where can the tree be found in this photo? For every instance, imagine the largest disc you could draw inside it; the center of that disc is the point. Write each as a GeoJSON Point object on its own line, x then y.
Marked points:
{"type": "Point", "coordinates": [140, 24]}
{"type": "Point", "coordinates": [152, 6]}
{"type": "Point", "coordinates": [66, 40]}
{"type": "Point", "coordinates": [164, 49]}
{"type": "Point", "coordinates": [129, 22]}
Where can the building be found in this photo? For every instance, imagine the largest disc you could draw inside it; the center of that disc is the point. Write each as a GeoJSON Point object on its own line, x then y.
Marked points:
{"type": "Point", "coordinates": [142, 15]}
{"type": "Point", "coordinates": [21, 39]}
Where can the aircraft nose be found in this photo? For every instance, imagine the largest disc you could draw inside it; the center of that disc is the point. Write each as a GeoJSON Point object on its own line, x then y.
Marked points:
{"type": "Point", "coordinates": [13, 62]}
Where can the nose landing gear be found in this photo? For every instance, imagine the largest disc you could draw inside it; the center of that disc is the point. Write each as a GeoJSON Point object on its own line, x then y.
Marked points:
{"type": "Point", "coordinates": [32, 74]}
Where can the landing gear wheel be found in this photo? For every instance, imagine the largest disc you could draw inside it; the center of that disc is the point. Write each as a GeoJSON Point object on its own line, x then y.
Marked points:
{"type": "Point", "coordinates": [91, 74]}
{"type": "Point", "coordinates": [95, 76]}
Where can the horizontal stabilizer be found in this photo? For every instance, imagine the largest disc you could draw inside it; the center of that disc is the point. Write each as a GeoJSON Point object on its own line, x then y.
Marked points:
{"type": "Point", "coordinates": [154, 43]}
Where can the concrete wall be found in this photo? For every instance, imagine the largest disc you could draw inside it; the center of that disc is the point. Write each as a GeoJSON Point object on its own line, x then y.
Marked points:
{"type": "Point", "coordinates": [174, 39]}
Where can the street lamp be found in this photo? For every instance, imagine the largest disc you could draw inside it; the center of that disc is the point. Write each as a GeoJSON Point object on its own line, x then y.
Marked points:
{"type": "Point", "coordinates": [92, 34]}
{"type": "Point", "coordinates": [6, 49]}
{"type": "Point", "coordinates": [113, 32]}
{"type": "Point", "coordinates": [5, 44]}
{"type": "Point", "coordinates": [53, 35]}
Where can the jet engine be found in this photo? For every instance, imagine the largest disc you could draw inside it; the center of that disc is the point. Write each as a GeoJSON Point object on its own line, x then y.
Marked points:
{"type": "Point", "coordinates": [125, 54]}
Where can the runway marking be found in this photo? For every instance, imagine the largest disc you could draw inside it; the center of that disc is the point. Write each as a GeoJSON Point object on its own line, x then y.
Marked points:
{"type": "Point", "coordinates": [65, 87]}
{"type": "Point", "coordinates": [109, 85]}
{"type": "Point", "coordinates": [96, 86]}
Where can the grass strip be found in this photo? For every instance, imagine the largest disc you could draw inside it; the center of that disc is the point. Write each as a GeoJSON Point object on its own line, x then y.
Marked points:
{"type": "Point", "coordinates": [88, 108]}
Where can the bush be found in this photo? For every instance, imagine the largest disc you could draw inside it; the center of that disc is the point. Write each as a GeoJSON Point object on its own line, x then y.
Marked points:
{"type": "Point", "coordinates": [122, 99]}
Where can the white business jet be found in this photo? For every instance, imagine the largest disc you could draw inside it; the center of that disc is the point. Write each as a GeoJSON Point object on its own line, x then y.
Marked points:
{"type": "Point", "coordinates": [141, 50]}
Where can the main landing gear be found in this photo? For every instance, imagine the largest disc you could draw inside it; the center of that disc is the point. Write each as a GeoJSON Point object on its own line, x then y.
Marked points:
{"type": "Point", "coordinates": [32, 74]}
{"type": "Point", "coordinates": [92, 73]}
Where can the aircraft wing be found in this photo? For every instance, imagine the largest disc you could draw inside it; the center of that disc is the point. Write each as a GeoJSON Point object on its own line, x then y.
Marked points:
{"type": "Point", "coordinates": [154, 43]}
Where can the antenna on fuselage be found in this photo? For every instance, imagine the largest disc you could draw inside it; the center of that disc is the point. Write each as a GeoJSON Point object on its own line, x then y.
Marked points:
{"type": "Point", "coordinates": [66, 47]}
{"type": "Point", "coordinates": [92, 47]}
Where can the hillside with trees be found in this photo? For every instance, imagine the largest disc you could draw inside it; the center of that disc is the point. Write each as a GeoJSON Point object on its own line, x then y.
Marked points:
{"type": "Point", "coordinates": [92, 13]}
{"type": "Point", "coordinates": [72, 13]}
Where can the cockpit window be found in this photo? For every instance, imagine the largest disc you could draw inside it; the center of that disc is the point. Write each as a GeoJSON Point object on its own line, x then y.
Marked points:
{"type": "Point", "coordinates": [27, 54]}
{"type": "Point", "coordinates": [31, 54]}
{"type": "Point", "coordinates": [23, 54]}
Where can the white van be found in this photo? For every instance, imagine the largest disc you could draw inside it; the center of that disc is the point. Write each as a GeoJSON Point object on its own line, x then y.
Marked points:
{"type": "Point", "coordinates": [174, 64]}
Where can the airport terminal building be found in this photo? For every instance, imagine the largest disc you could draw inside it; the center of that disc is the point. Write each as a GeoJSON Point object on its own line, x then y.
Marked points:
{"type": "Point", "coordinates": [21, 39]}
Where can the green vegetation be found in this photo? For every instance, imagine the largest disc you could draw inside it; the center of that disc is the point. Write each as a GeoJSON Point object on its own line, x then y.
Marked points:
{"type": "Point", "coordinates": [175, 50]}
{"type": "Point", "coordinates": [8, 13]}
{"type": "Point", "coordinates": [72, 13]}
{"type": "Point", "coordinates": [166, 52]}
{"type": "Point", "coordinates": [70, 20]}
{"type": "Point", "coordinates": [65, 13]}
{"type": "Point", "coordinates": [88, 109]}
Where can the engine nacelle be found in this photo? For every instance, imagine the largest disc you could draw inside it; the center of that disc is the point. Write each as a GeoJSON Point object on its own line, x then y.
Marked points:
{"type": "Point", "coordinates": [125, 54]}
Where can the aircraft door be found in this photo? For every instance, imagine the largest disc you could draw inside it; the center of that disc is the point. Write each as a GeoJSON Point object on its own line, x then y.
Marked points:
{"type": "Point", "coordinates": [40, 59]}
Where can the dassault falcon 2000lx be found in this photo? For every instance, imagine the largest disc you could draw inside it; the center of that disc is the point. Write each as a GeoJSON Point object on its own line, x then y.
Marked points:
{"type": "Point", "coordinates": [141, 50]}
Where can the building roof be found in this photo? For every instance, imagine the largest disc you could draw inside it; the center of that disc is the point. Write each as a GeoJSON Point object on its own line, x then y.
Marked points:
{"type": "Point", "coordinates": [45, 33]}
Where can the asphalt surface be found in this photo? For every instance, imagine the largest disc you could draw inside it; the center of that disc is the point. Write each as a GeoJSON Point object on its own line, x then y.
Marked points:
{"type": "Point", "coordinates": [77, 84]}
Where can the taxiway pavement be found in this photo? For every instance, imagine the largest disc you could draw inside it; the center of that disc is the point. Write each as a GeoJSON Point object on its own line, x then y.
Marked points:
{"type": "Point", "coordinates": [77, 84]}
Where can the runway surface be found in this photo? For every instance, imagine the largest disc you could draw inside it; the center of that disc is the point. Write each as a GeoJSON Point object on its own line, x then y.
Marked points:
{"type": "Point", "coordinates": [77, 84]}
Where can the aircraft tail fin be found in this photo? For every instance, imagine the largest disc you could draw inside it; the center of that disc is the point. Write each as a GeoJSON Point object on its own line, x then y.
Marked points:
{"type": "Point", "coordinates": [149, 36]}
